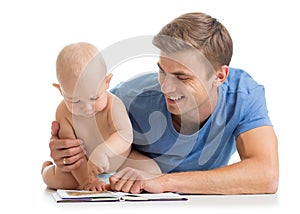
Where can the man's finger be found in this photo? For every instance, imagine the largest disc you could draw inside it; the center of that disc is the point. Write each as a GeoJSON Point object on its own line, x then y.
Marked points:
{"type": "Point", "coordinates": [67, 144]}
{"type": "Point", "coordinates": [126, 178]}
{"type": "Point", "coordinates": [137, 187]}
{"type": "Point", "coordinates": [54, 128]}
{"type": "Point", "coordinates": [69, 168]}
{"type": "Point", "coordinates": [116, 177]}
{"type": "Point", "coordinates": [127, 185]}
{"type": "Point", "coordinates": [108, 187]}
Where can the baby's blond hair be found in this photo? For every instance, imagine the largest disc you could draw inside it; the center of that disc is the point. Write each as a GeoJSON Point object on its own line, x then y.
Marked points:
{"type": "Point", "coordinates": [73, 58]}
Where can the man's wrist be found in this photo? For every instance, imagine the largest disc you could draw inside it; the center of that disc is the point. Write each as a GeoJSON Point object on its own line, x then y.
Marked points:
{"type": "Point", "coordinates": [166, 182]}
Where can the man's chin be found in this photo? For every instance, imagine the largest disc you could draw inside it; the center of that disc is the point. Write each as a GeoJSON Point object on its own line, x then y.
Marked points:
{"type": "Point", "coordinates": [173, 109]}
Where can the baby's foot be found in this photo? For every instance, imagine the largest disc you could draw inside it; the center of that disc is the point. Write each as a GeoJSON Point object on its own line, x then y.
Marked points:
{"type": "Point", "coordinates": [45, 164]}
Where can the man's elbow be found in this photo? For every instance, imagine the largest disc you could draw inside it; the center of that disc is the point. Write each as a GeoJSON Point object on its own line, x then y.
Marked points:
{"type": "Point", "coordinates": [273, 187]}
{"type": "Point", "coordinates": [271, 182]}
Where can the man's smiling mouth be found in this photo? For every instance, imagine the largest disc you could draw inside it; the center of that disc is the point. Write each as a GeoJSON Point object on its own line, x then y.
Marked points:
{"type": "Point", "coordinates": [175, 98]}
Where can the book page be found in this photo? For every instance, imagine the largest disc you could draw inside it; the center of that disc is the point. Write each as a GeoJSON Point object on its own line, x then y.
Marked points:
{"type": "Point", "coordinates": [85, 194]}
{"type": "Point", "coordinates": [81, 195]}
{"type": "Point", "coordinates": [166, 195]}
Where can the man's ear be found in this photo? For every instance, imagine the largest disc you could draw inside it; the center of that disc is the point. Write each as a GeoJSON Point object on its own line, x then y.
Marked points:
{"type": "Point", "coordinates": [108, 79]}
{"type": "Point", "coordinates": [58, 87]}
{"type": "Point", "coordinates": [221, 74]}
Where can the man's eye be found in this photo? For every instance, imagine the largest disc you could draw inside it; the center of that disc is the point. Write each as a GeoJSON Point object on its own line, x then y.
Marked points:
{"type": "Point", "coordinates": [95, 98]}
{"type": "Point", "coordinates": [161, 71]}
{"type": "Point", "coordinates": [182, 77]}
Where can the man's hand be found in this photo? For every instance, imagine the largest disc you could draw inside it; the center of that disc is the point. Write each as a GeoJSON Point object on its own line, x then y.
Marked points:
{"type": "Point", "coordinates": [135, 181]}
{"type": "Point", "coordinates": [67, 154]}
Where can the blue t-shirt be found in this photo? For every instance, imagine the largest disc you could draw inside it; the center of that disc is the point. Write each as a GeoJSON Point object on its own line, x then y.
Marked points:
{"type": "Point", "coordinates": [241, 106]}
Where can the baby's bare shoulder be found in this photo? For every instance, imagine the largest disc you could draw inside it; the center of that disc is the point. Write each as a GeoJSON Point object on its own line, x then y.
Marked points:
{"type": "Point", "coordinates": [114, 101]}
{"type": "Point", "coordinates": [62, 111]}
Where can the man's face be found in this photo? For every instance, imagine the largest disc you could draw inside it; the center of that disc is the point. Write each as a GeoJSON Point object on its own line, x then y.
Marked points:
{"type": "Point", "coordinates": [187, 81]}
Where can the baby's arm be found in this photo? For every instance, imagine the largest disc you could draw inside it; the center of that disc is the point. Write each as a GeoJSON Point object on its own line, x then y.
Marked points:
{"type": "Point", "coordinates": [117, 146]}
{"type": "Point", "coordinates": [139, 161]}
{"type": "Point", "coordinates": [63, 116]}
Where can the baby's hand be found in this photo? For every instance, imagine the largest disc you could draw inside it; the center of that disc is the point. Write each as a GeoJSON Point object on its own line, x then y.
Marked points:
{"type": "Point", "coordinates": [98, 163]}
{"type": "Point", "coordinates": [95, 170]}
{"type": "Point", "coordinates": [96, 185]}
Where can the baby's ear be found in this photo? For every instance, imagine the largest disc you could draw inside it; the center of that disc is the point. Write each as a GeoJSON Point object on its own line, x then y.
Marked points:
{"type": "Point", "coordinates": [57, 86]}
{"type": "Point", "coordinates": [108, 79]}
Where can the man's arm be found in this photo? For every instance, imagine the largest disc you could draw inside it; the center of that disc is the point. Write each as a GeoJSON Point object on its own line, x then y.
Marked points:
{"type": "Point", "coordinates": [68, 149]}
{"type": "Point", "coordinates": [256, 173]}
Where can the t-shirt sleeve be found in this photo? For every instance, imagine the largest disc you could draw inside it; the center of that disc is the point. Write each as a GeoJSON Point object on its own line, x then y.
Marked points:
{"type": "Point", "coordinates": [255, 112]}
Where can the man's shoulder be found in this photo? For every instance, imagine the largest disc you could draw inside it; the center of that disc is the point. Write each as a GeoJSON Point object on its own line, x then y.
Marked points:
{"type": "Point", "coordinates": [145, 84]}
{"type": "Point", "coordinates": [239, 81]}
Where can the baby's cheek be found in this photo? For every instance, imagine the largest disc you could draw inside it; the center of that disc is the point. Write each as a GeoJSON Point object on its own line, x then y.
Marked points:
{"type": "Point", "coordinates": [99, 106]}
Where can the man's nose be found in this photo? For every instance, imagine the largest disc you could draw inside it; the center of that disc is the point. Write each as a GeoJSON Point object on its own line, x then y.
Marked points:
{"type": "Point", "coordinates": [168, 85]}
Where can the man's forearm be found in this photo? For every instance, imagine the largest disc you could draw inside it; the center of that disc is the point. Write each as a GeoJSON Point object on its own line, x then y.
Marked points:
{"type": "Point", "coordinates": [245, 177]}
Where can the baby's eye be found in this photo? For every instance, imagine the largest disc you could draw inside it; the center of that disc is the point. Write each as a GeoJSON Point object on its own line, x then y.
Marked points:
{"type": "Point", "coordinates": [75, 101]}
{"type": "Point", "coordinates": [94, 98]}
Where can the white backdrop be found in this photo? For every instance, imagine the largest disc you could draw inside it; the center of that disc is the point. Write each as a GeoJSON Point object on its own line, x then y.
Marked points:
{"type": "Point", "coordinates": [266, 44]}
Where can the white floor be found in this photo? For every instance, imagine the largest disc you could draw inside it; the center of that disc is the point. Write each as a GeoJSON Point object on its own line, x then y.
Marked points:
{"type": "Point", "coordinates": [30, 194]}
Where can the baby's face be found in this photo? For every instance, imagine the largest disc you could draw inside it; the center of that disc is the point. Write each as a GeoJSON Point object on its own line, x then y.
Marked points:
{"type": "Point", "coordinates": [87, 94]}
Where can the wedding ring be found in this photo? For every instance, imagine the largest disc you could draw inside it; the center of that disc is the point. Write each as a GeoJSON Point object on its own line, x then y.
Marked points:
{"type": "Point", "coordinates": [64, 161]}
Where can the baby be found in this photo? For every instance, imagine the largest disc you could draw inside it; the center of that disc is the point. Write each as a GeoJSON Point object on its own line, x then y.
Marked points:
{"type": "Point", "coordinates": [91, 113]}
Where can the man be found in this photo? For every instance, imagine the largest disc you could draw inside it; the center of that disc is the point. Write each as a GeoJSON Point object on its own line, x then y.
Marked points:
{"type": "Point", "coordinates": [194, 118]}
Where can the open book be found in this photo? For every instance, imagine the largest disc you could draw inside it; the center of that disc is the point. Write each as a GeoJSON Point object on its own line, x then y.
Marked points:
{"type": "Point", "coordinates": [89, 196]}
